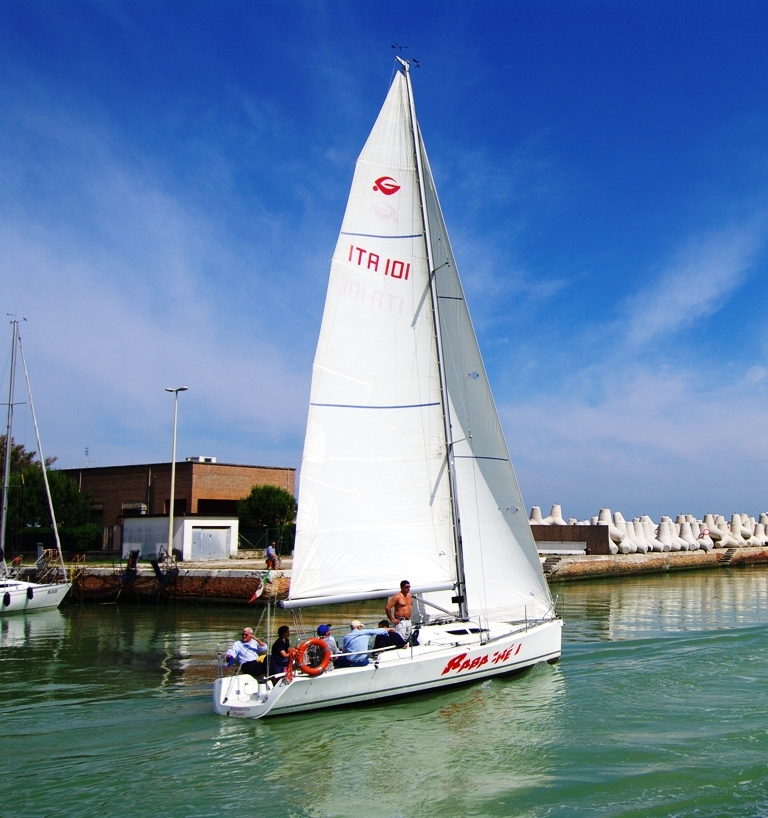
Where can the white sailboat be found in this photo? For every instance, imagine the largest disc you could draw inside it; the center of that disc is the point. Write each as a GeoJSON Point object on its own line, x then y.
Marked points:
{"type": "Point", "coordinates": [19, 596]}
{"type": "Point", "coordinates": [405, 472]}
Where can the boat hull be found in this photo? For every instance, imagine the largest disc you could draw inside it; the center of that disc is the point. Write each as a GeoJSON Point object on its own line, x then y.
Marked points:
{"type": "Point", "coordinates": [20, 597]}
{"type": "Point", "coordinates": [395, 673]}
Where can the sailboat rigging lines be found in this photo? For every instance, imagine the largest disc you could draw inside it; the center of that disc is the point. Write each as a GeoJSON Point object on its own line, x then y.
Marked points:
{"type": "Point", "coordinates": [17, 595]}
{"type": "Point", "coordinates": [405, 469]}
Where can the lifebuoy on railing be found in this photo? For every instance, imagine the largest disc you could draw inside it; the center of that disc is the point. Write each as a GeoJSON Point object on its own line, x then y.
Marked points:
{"type": "Point", "coordinates": [313, 657]}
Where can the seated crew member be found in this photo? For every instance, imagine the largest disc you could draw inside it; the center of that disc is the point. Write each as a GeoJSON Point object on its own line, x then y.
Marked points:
{"type": "Point", "coordinates": [399, 609]}
{"type": "Point", "coordinates": [278, 661]}
{"type": "Point", "coordinates": [391, 640]}
{"type": "Point", "coordinates": [324, 633]}
{"type": "Point", "coordinates": [249, 653]}
{"type": "Point", "coordinates": [355, 644]}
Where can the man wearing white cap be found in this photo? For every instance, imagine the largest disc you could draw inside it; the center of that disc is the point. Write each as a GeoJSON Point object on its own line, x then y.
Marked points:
{"type": "Point", "coordinates": [355, 644]}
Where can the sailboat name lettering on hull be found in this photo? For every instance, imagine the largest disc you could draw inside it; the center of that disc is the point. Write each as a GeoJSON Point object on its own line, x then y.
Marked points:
{"type": "Point", "coordinates": [460, 662]}
{"type": "Point", "coordinates": [398, 269]}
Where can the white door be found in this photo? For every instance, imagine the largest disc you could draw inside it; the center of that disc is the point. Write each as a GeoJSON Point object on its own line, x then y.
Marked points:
{"type": "Point", "coordinates": [210, 543]}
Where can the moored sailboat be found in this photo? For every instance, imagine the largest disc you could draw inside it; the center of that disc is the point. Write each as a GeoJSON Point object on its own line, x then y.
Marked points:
{"type": "Point", "coordinates": [16, 595]}
{"type": "Point", "coordinates": [405, 471]}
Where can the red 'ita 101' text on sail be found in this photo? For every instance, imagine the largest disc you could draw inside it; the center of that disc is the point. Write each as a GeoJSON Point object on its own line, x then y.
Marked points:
{"type": "Point", "coordinates": [372, 261]}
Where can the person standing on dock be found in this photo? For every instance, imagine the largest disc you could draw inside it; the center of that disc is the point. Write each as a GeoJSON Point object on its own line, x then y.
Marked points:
{"type": "Point", "coordinates": [249, 652]}
{"type": "Point", "coordinates": [399, 610]}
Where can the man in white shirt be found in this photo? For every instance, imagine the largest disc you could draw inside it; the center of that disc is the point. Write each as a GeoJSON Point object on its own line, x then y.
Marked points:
{"type": "Point", "coordinates": [247, 653]}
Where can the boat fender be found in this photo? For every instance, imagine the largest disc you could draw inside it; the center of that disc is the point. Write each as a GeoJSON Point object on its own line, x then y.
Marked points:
{"type": "Point", "coordinates": [30, 593]}
{"type": "Point", "coordinates": [6, 599]}
{"type": "Point", "coordinates": [309, 664]}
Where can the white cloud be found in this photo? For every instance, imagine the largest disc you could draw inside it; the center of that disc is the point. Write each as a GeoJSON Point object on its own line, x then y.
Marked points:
{"type": "Point", "coordinates": [128, 289]}
{"type": "Point", "coordinates": [658, 441]}
{"type": "Point", "coordinates": [696, 282]}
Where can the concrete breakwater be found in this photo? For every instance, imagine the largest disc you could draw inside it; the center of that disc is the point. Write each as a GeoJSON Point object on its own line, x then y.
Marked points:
{"type": "Point", "coordinates": [596, 566]}
{"type": "Point", "coordinates": [224, 583]}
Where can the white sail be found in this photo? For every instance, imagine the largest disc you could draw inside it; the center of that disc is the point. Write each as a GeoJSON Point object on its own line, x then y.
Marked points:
{"type": "Point", "coordinates": [374, 504]}
{"type": "Point", "coordinates": [375, 497]}
{"type": "Point", "coordinates": [503, 574]}
{"type": "Point", "coordinates": [405, 473]}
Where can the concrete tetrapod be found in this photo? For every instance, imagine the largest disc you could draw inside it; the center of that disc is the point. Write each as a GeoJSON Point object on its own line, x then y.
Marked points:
{"type": "Point", "coordinates": [555, 516]}
{"type": "Point", "coordinates": [536, 518]}
{"type": "Point", "coordinates": [627, 546]}
{"type": "Point", "coordinates": [748, 530]}
{"type": "Point", "coordinates": [687, 534]}
{"type": "Point", "coordinates": [649, 529]}
{"type": "Point", "coordinates": [664, 533]}
{"type": "Point", "coordinates": [635, 531]}
{"type": "Point", "coordinates": [737, 530]}
{"type": "Point", "coordinates": [728, 540]}
{"type": "Point", "coordinates": [704, 539]}
{"type": "Point", "coordinates": [715, 532]}
{"type": "Point", "coordinates": [677, 543]}
{"type": "Point", "coordinates": [604, 518]}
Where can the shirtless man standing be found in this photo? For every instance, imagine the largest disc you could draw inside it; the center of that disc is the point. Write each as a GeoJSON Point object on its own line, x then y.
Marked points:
{"type": "Point", "coordinates": [399, 610]}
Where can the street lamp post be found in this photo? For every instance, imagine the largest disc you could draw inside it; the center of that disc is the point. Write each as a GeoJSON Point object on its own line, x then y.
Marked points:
{"type": "Point", "coordinates": [175, 391]}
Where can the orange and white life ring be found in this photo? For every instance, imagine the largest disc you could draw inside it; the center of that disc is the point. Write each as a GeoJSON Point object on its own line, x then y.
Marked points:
{"type": "Point", "coordinates": [307, 658]}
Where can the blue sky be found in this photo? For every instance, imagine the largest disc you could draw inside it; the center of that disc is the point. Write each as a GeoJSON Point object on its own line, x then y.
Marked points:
{"type": "Point", "coordinates": [174, 175]}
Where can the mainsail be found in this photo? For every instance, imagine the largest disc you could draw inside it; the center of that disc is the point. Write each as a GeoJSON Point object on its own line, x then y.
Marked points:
{"type": "Point", "coordinates": [375, 495]}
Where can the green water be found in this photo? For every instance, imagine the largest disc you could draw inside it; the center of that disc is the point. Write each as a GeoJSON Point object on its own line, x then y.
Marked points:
{"type": "Point", "coordinates": [658, 708]}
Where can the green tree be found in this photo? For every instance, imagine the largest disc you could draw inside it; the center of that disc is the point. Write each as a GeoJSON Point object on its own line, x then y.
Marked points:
{"type": "Point", "coordinates": [20, 457]}
{"type": "Point", "coordinates": [268, 506]}
{"type": "Point", "coordinates": [28, 512]}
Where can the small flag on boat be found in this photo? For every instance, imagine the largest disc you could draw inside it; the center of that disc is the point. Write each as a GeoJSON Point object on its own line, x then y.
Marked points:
{"type": "Point", "coordinates": [257, 593]}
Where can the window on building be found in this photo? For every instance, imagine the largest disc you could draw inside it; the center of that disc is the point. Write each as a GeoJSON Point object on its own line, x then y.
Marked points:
{"type": "Point", "coordinates": [217, 508]}
{"type": "Point", "coordinates": [179, 506]}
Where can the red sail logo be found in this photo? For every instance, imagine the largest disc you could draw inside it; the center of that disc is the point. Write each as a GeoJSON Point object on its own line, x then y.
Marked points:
{"type": "Point", "coordinates": [387, 185]}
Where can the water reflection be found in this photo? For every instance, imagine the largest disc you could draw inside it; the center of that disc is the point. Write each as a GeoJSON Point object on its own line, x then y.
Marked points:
{"type": "Point", "coordinates": [22, 630]}
{"type": "Point", "coordinates": [668, 603]}
{"type": "Point", "coordinates": [443, 749]}
{"type": "Point", "coordinates": [655, 703]}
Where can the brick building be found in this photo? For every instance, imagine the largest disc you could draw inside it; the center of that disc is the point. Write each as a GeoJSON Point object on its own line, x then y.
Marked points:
{"type": "Point", "coordinates": [202, 487]}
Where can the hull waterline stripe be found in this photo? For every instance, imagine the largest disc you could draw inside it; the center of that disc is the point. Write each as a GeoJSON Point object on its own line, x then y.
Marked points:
{"type": "Point", "coordinates": [356, 406]}
{"type": "Point", "coordinates": [375, 236]}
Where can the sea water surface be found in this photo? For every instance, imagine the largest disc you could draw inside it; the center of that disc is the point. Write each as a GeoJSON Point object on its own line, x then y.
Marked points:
{"type": "Point", "coordinates": [659, 707]}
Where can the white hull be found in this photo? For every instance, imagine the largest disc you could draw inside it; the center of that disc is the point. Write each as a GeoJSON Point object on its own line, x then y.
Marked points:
{"type": "Point", "coordinates": [441, 660]}
{"type": "Point", "coordinates": [15, 595]}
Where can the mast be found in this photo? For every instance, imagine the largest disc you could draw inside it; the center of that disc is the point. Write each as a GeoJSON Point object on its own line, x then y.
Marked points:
{"type": "Point", "coordinates": [461, 591]}
{"type": "Point", "coordinates": [8, 439]}
{"type": "Point", "coordinates": [42, 459]}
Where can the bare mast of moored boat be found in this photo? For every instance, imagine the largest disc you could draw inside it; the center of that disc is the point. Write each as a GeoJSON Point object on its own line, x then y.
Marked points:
{"type": "Point", "coordinates": [8, 439]}
{"type": "Point", "coordinates": [16, 345]}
